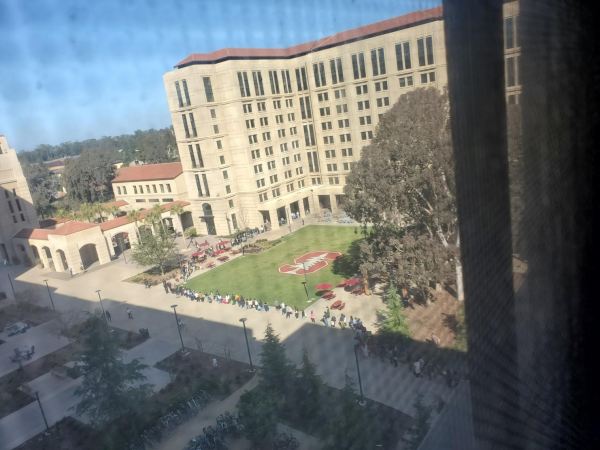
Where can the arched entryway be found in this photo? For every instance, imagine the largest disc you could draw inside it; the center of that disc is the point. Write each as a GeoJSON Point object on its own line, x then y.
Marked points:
{"type": "Point", "coordinates": [120, 242]}
{"type": "Point", "coordinates": [48, 254]}
{"type": "Point", "coordinates": [88, 255]}
{"type": "Point", "coordinates": [208, 218]}
{"type": "Point", "coordinates": [62, 259]}
{"type": "Point", "coordinates": [36, 255]}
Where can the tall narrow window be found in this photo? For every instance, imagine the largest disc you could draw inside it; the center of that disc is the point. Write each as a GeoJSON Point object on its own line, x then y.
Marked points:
{"type": "Point", "coordinates": [510, 72]}
{"type": "Point", "coordinates": [185, 126]}
{"type": "Point", "coordinates": [208, 89]}
{"type": "Point", "coordinates": [421, 51]}
{"type": "Point", "coordinates": [205, 181]}
{"type": "Point", "coordinates": [192, 157]}
{"type": "Point", "coordinates": [378, 61]}
{"type": "Point", "coordinates": [403, 56]}
{"type": "Point", "coordinates": [301, 79]}
{"type": "Point", "coordinates": [199, 155]}
{"type": "Point", "coordinates": [305, 108]}
{"type": "Point", "coordinates": [425, 50]}
{"type": "Point", "coordinates": [319, 73]}
{"type": "Point", "coordinates": [287, 83]}
{"type": "Point", "coordinates": [429, 45]}
{"type": "Point", "coordinates": [186, 93]}
{"type": "Point", "coordinates": [193, 125]}
{"type": "Point", "coordinates": [243, 82]}
{"type": "Point", "coordinates": [179, 98]}
{"type": "Point", "coordinates": [509, 41]}
{"type": "Point", "coordinates": [258, 83]}
{"type": "Point", "coordinates": [309, 135]}
{"type": "Point", "coordinates": [358, 65]}
{"type": "Point", "coordinates": [274, 82]}
{"type": "Point", "coordinates": [198, 185]}
{"type": "Point", "coordinates": [337, 73]}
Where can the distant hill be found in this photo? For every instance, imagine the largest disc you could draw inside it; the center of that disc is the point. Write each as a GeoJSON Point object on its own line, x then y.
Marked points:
{"type": "Point", "coordinates": [150, 146]}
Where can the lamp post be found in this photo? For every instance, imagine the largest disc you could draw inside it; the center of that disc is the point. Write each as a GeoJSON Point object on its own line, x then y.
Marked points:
{"type": "Point", "coordinates": [305, 281]}
{"type": "Point", "coordinates": [243, 320]}
{"type": "Point", "coordinates": [50, 295]}
{"type": "Point", "coordinates": [306, 291]}
{"type": "Point", "coordinates": [37, 397]}
{"type": "Point", "coordinates": [361, 402]}
{"type": "Point", "coordinates": [178, 328]}
{"type": "Point", "coordinates": [102, 305]}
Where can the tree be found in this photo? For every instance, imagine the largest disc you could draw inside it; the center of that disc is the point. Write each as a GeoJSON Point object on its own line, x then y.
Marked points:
{"type": "Point", "coordinates": [258, 413]}
{"type": "Point", "coordinates": [88, 178]}
{"type": "Point", "coordinates": [421, 426]}
{"type": "Point", "coordinates": [276, 371]}
{"type": "Point", "coordinates": [307, 392]}
{"type": "Point", "coordinates": [154, 218]}
{"type": "Point", "coordinates": [135, 216]}
{"type": "Point", "coordinates": [155, 250]}
{"type": "Point", "coordinates": [402, 191]}
{"type": "Point", "coordinates": [394, 320]}
{"type": "Point", "coordinates": [110, 387]}
{"type": "Point", "coordinates": [177, 210]}
{"type": "Point", "coordinates": [43, 186]}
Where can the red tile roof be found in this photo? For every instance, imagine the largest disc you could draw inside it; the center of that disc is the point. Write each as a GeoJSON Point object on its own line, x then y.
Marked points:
{"type": "Point", "coordinates": [124, 220]}
{"type": "Point", "coordinates": [147, 172]}
{"type": "Point", "coordinates": [52, 222]}
{"type": "Point", "coordinates": [117, 203]}
{"type": "Point", "coordinates": [366, 31]}
{"type": "Point", "coordinates": [71, 227]}
{"type": "Point", "coordinates": [33, 233]}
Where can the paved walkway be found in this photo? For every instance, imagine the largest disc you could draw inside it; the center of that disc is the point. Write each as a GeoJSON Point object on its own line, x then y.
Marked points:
{"type": "Point", "coordinates": [57, 395]}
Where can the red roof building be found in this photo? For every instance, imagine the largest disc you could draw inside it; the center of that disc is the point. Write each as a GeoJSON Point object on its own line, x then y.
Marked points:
{"type": "Point", "coordinates": [149, 172]}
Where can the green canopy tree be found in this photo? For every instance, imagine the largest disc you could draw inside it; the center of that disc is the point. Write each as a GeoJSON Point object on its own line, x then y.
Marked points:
{"type": "Point", "coordinates": [422, 423]}
{"type": "Point", "coordinates": [308, 387]}
{"type": "Point", "coordinates": [111, 387]}
{"type": "Point", "coordinates": [88, 178]}
{"type": "Point", "coordinates": [276, 370]}
{"type": "Point", "coordinates": [402, 192]}
{"type": "Point", "coordinates": [43, 186]}
{"type": "Point", "coordinates": [155, 250]}
{"type": "Point", "coordinates": [258, 413]}
{"type": "Point", "coordinates": [394, 319]}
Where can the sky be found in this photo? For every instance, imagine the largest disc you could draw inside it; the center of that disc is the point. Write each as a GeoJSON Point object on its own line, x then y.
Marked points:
{"type": "Point", "coordinates": [81, 69]}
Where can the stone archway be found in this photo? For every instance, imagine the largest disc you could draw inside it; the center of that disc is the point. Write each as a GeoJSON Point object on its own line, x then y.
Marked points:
{"type": "Point", "coordinates": [48, 255]}
{"type": "Point", "coordinates": [36, 255]}
{"type": "Point", "coordinates": [120, 242]}
{"type": "Point", "coordinates": [208, 218]}
{"type": "Point", "coordinates": [62, 259]}
{"type": "Point", "coordinates": [88, 255]}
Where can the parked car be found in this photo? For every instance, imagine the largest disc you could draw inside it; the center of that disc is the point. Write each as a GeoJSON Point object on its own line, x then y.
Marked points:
{"type": "Point", "coordinates": [16, 328]}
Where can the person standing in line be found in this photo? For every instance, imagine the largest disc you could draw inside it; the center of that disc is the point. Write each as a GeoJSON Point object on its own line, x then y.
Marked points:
{"type": "Point", "coordinates": [164, 283]}
{"type": "Point", "coordinates": [108, 315]}
{"type": "Point", "coordinates": [129, 314]}
{"type": "Point", "coordinates": [312, 315]}
{"type": "Point", "coordinates": [332, 321]}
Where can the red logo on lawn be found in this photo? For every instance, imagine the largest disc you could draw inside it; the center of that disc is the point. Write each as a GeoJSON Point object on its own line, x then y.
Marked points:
{"type": "Point", "coordinates": [309, 263]}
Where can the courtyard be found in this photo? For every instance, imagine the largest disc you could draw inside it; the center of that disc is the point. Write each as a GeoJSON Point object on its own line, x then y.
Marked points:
{"type": "Point", "coordinates": [263, 276]}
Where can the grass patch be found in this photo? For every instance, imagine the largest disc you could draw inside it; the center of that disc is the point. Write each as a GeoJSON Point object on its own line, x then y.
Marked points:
{"type": "Point", "coordinates": [257, 276]}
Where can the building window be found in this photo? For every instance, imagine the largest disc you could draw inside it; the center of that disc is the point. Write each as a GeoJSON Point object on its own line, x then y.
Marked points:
{"type": "Point", "coordinates": [329, 153]}
{"type": "Point", "coordinates": [381, 86]}
{"type": "Point", "coordinates": [140, 200]}
{"type": "Point", "coordinates": [322, 97]}
{"type": "Point", "coordinates": [262, 106]}
{"type": "Point", "coordinates": [10, 206]}
{"type": "Point", "coordinates": [326, 111]}
{"type": "Point", "coordinates": [216, 129]}
{"type": "Point", "coordinates": [193, 124]}
{"type": "Point", "coordinates": [305, 108]}
{"type": "Point", "coordinates": [243, 82]}
{"type": "Point", "coordinates": [186, 128]}
{"type": "Point", "coordinates": [154, 188]}
{"type": "Point", "coordinates": [337, 73]}
{"type": "Point", "coordinates": [278, 118]}
{"type": "Point", "coordinates": [258, 168]}
{"type": "Point", "coordinates": [266, 136]}
{"type": "Point", "coordinates": [199, 156]}
{"type": "Point", "coordinates": [198, 185]}
{"type": "Point", "coordinates": [247, 107]}
{"type": "Point", "coordinates": [406, 81]}
{"type": "Point", "coordinates": [162, 188]}
{"type": "Point", "coordinates": [509, 33]}
{"type": "Point", "coordinates": [334, 180]}
{"type": "Point", "coordinates": [346, 152]}
{"type": "Point", "coordinates": [230, 203]}
{"type": "Point", "coordinates": [228, 189]}
{"type": "Point", "coordinates": [119, 190]}
{"type": "Point", "coordinates": [253, 138]}
{"type": "Point", "coordinates": [250, 123]}
{"type": "Point", "coordinates": [281, 133]}
{"type": "Point", "coordinates": [343, 123]}
{"type": "Point", "coordinates": [341, 108]}
{"type": "Point", "coordinates": [167, 200]}
{"type": "Point", "coordinates": [366, 135]}
{"type": "Point", "coordinates": [301, 79]}
{"type": "Point", "coordinates": [295, 144]}
{"type": "Point", "coordinates": [403, 56]}
{"type": "Point", "coordinates": [213, 113]}
{"type": "Point", "coordinates": [331, 167]}
{"type": "Point", "coordinates": [378, 61]}
{"type": "Point", "coordinates": [219, 145]}
{"type": "Point", "coordinates": [124, 190]}
{"type": "Point", "coordinates": [425, 50]}
{"type": "Point", "coordinates": [153, 200]}
{"type": "Point", "coordinates": [221, 159]}
{"type": "Point", "coordinates": [141, 189]}
{"type": "Point", "coordinates": [273, 179]}
{"type": "Point", "coordinates": [168, 187]}
{"type": "Point", "coordinates": [134, 190]}
{"type": "Point", "coordinates": [313, 161]}
{"type": "Point", "coordinates": [362, 89]}
{"type": "Point", "coordinates": [263, 197]}
{"type": "Point", "coordinates": [205, 181]}
{"type": "Point", "coordinates": [362, 105]}
{"type": "Point", "coordinates": [291, 117]}
{"type": "Point", "coordinates": [364, 120]}
{"type": "Point", "coordinates": [427, 77]}
{"type": "Point", "coordinates": [319, 73]}
{"type": "Point", "coordinates": [276, 104]}
{"type": "Point", "coordinates": [384, 101]}
{"type": "Point", "coordinates": [328, 140]}
{"type": "Point", "coordinates": [270, 165]}
{"type": "Point", "coordinates": [269, 150]}
{"type": "Point", "coordinates": [259, 90]}
{"type": "Point", "coordinates": [178, 91]}
{"type": "Point", "coordinates": [260, 183]}
{"type": "Point", "coordinates": [285, 161]}
{"type": "Point", "coordinates": [510, 72]}
{"type": "Point", "coordinates": [358, 66]}
{"type": "Point", "coordinates": [347, 137]}
{"type": "Point", "coordinates": [208, 91]}
{"type": "Point", "coordinates": [255, 154]}
{"type": "Point", "coordinates": [287, 84]}
{"type": "Point", "coordinates": [274, 80]}
{"type": "Point", "coordinates": [340, 93]}
{"type": "Point", "coordinates": [309, 135]}
{"type": "Point", "coordinates": [326, 126]}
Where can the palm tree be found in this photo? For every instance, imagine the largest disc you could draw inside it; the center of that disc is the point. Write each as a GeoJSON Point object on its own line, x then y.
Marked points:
{"type": "Point", "coordinates": [135, 216]}
{"type": "Point", "coordinates": [99, 209]}
{"type": "Point", "coordinates": [63, 213]}
{"type": "Point", "coordinates": [155, 217]}
{"type": "Point", "coordinates": [86, 211]}
{"type": "Point", "coordinates": [112, 210]}
{"type": "Point", "coordinates": [177, 210]}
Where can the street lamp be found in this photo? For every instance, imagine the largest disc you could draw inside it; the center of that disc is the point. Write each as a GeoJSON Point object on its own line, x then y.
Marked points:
{"type": "Point", "coordinates": [306, 291]}
{"type": "Point", "coordinates": [178, 328]}
{"type": "Point", "coordinates": [37, 397]}
{"type": "Point", "coordinates": [361, 402]}
{"type": "Point", "coordinates": [50, 295]}
{"type": "Point", "coordinates": [243, 320]}
{"type": "Point", "coordinates": [102, 305]}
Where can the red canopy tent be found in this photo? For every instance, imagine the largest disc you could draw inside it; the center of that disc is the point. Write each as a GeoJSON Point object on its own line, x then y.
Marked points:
{"type": "Point", "coordinates": [352, 282]}
{"type": "Point", "coordinates": [198, 253]}
{"type": "Point", "coordinates": [323, 287]}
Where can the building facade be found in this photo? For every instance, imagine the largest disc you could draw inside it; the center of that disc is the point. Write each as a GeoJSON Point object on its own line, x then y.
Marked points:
{"type": "Point", "coordinates": [147, 185]}
{"type": "Point", "coordinates": [269, 134]}
{"type": "Point", "coordinates": [16, 206]}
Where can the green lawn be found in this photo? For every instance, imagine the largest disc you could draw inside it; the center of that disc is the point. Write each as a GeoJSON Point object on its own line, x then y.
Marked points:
{"type": "Point", "coordinates": [257, 276]}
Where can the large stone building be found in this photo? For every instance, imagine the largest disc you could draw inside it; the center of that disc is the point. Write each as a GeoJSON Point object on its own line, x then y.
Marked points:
{"type": "Point", "coordinates": [264, 133]}
{"type": "Point", "coordinates": [16, 207]}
